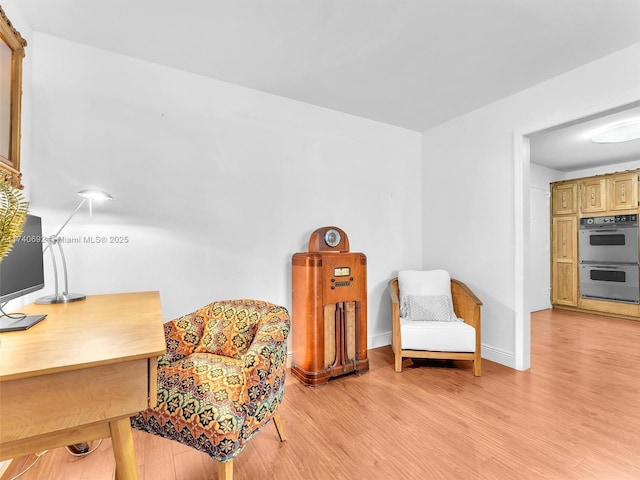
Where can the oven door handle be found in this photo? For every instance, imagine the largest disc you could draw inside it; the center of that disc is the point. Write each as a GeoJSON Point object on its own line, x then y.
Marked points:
{"type": "Point", "coordinates": [608, 267]}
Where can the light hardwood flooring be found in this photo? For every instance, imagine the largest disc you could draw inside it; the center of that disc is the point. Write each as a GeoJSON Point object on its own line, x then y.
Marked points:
{"type": "Point", "coordinates": [574, 415]}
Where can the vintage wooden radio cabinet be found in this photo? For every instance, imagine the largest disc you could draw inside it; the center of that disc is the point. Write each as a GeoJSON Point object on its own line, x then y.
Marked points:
{"type": "Point", "coordinates": [329, 314]}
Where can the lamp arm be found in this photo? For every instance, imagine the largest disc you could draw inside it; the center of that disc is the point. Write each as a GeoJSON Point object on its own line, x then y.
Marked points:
{"type": "Point", "coordinates": [70, 217]}
{"type": "Point", "coordinates": [53, 239]}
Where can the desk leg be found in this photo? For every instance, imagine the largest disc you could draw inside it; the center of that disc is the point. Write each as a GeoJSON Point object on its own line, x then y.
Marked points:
{"type": "Point", "coordinates": [123, 449]}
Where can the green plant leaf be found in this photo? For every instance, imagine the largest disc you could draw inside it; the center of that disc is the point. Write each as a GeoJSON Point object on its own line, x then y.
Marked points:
{"type": "Point", "coordinates": [13, 215]}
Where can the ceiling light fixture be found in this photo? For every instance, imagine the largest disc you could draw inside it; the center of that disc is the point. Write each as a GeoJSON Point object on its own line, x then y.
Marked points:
{"type": "Point", "coordinates": [623, 132]}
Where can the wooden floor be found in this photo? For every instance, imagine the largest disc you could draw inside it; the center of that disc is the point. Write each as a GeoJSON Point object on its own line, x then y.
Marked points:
{"type": "Point", "coordinates": [574, 415]}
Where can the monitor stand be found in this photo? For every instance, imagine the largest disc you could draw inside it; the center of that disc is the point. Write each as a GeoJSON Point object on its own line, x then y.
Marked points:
{"type": "Point", "coordinates": [12, 324]}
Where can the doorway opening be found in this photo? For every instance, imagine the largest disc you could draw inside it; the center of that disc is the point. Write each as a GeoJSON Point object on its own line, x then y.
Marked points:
{"type": "Point", "coordinates": [527, 174]}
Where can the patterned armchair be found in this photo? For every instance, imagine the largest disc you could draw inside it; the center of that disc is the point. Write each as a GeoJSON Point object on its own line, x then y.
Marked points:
{"type": "Point", "coordinates": [221, 379]}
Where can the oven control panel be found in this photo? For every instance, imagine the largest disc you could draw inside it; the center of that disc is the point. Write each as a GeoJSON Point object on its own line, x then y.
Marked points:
{"type": "Point", "coordinates": [609, 220]}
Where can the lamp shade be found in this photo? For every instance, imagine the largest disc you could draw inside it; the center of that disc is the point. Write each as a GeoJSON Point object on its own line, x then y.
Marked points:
{"type": "Point", "coordinates": [92, 194]}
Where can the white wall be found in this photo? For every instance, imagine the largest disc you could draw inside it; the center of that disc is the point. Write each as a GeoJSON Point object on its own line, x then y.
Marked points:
{"type": "Point", "coordinates": [215, 185]}
{"type": "Point", "coordinates": [478, 167]}
{"type": "Point", "coordinates": [540, 246]}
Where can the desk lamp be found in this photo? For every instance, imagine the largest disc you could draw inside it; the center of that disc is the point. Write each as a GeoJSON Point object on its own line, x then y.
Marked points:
{"type": "Point", "coordinates": [65, 296]}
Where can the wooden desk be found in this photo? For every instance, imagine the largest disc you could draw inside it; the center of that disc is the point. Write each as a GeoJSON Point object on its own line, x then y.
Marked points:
{"type": "Point", "coordinates": [80, 374]}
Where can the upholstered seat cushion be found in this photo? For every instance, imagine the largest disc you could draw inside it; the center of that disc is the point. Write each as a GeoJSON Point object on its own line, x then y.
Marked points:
{"type": "Point", "coordinates": [437, 336]}
{"type": "Point", "coordinates": [201, 395]}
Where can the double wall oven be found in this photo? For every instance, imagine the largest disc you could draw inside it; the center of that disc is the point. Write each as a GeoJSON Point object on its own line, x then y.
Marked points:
{"type": "Point", "coordinates": [608, 252]}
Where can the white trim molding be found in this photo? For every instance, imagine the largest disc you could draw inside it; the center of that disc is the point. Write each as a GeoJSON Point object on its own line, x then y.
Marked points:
{"type": "Point", "coordinates": [500, 356]}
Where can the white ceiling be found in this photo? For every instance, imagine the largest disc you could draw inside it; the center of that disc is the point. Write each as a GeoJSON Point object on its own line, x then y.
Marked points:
{"type": "Point", "coordinates": [410, 63]}
{"type": "Point", "coordinates": [569, 147]}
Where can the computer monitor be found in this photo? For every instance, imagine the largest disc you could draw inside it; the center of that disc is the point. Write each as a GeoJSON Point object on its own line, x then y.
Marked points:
{"type": "Point", "coordinates": [22, 272]}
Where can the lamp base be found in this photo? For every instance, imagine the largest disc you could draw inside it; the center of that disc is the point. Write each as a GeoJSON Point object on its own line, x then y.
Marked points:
{"type": "Point", "coordinates": [61, 298]}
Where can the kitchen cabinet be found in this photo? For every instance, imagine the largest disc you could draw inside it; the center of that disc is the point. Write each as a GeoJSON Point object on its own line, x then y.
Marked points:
{"type": "Point", "coordinates": [564, 267]}
{"type": "Point", "coordinates": [611, 194]}
{"type": "Point", "coordinates": [593, 195]}
{"type": "Point", "coordinates": [608, 193]}
{"type": "Point", "coordinates": [565, 198]}
{"type": "Point", "coordinates": [623, 192]}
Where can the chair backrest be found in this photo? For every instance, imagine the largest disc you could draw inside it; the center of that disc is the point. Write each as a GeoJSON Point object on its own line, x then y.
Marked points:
{"type": "Point", "coordinates": [394, 284]}
{"type": "Point", "coordinates": [425, 295]}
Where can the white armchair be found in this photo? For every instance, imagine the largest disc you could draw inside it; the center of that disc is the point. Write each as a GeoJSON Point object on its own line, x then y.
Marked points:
{"type": "Point", "coordinates": [434, 316]}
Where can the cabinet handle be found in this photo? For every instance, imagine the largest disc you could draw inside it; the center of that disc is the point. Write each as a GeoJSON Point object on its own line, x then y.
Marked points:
{"type": "Point", "coordinates": [622, 194]}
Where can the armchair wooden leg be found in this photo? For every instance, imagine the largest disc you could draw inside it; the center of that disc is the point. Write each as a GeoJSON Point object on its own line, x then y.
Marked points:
{"type": "Point", "coordinates": [398, 362]}
{"type": "Point", "coordinates": [277, 421]}
{"type": "Point", "coordinates": [225, 470]}
{"type": "Point", "coordinates": [477, 366]}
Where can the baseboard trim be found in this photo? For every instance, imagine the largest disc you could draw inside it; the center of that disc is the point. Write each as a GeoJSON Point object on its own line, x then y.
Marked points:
{"type": "Point", "coordinates": [381, 340]}
{"type": "Point", "coordinates": [489, 352]}
{"type": "Point", "coordinates": [500, 356]}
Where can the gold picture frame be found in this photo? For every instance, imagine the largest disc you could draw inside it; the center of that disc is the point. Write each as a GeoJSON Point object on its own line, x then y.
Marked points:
{"type": "Point", "coordinates": [11, 54]}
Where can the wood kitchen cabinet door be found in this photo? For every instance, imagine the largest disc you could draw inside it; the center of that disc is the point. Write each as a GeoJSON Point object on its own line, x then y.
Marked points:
{"type": "Point", "coordinates": [565, 233]}
{"type": "Point", "coordinates": [564, 269]}
{"type": "Point", "coordinates": [565, 284]}
{"type": "Point", "coordinates": [623, 192]}
{"type": "Point", "coordinates": [593, 195]}
{"type": "Point", "coordinates": [565, 198]}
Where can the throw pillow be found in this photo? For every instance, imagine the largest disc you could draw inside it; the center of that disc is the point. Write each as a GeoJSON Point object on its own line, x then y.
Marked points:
{"type": "Point", "coordinates": [230, 328]}
{"type": "Point", "coordinates": [437, 308]}
{"type": "Point", "coordinates": [422, 282]}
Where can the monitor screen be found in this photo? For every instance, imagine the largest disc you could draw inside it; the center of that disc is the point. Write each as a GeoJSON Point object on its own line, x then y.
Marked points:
{"type": "Point", "coordinates": [22, 270]}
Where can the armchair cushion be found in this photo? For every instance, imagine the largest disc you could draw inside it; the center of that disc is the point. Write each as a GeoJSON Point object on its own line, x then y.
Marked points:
{"type": "Point", "coordinates": [437, 336]}
{"type": "Point", "coordinates": [229, 329]}
{"type": "Point", "coordinates": [437, 308]}
{"type": "Point", "coordinates": [201, 396]}
{"type": "Point", "coordinates": [417, 282]}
